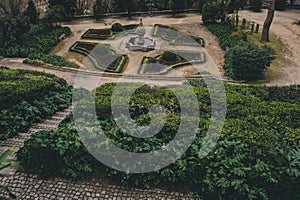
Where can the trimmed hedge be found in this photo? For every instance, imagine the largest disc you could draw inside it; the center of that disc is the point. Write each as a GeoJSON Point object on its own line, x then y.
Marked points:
{"type": "Point", "coordinates": [101, 56]}
{"type": "Point", "coordinates": [175, 38]}
{"type": "Point", "coordinates": [162, 64]}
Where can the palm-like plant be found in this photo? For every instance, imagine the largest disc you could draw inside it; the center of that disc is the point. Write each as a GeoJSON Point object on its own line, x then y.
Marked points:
{"type": "Point", "coordinates": [4, 163]}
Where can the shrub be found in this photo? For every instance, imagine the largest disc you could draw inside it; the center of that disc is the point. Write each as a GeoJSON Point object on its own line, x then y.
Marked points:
{"type": "Point", "coordinates": [256, 5]}
{"type": "Point", "coordinates": [212, 12]}
{"type": "Point", "coordinates": [247, 61]}
{"type": "Point", "coordinates": [117, 27]}
{"type": "Point", "coordinates": [66, 155]}
{"type": "Point", "coordinates": [169, 56]}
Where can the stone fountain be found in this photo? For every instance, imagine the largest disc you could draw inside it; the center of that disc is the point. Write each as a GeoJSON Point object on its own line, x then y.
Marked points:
{"type": "Point", "coordinates": [140, 42]}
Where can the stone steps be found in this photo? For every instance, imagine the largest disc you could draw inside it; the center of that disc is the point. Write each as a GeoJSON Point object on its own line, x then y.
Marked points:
{"type": "Point", "coordinates": [20, 138]}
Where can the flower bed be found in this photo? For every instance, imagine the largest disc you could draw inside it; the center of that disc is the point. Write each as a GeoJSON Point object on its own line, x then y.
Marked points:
{"type": "Point", "coordinates": [101, 56]}
{"type": "Point", "coordinates": [159, 65]}
{"type": "Point", "coordinates": [104, 34]}
{"type": "Point", "coordinates": [175, 38]}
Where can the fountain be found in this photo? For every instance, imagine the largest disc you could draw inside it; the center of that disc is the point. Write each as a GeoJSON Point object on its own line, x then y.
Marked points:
{"type": "Point", "coordinates": [140, 42]}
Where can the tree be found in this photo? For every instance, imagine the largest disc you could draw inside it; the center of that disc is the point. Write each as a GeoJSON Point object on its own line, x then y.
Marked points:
{"type": "Point", "coordinates": [98, 10]}
{"type": "Point", "coordinates": [175, 5]}
{"type": "Point", "coordinates": [212, 12]}
{"type": "Point", "coordinates": [11, 8]}
{"type": "Point", "coordinates": [235, 5]}
{"type": "Point", "coordinates": [31, 12]}
{"type": "Point", "coordinates": [54, 15]}
{"type": "Point", "coordinates": [126, 5]}
{"type": "Point", "coordinates": [256, 5]}
{"type": "Point", "coordinates": [68, 5]}
{"type": "Point", "coordinates": [268, 22]}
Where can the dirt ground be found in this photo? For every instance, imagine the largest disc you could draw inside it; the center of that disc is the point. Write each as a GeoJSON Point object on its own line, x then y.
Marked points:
{"type": "Point", "coordinates": [288, 32]}
{"type": "Point", "coordinates": [187, 24]}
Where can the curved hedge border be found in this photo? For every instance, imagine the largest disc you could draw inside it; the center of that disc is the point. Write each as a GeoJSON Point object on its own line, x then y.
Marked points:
{"type": "Point", "coordinates": [162, 31]}
{"type": "Point", "coordinates": [116, 62]}
{"type": "Point", "coordinates": [105, 34]}
{"type": "Point", "coordinates": [169, 66]}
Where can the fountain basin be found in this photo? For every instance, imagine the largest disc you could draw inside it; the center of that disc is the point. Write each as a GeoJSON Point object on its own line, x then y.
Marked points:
{"type": "Point", "coordinates": [133, 44]}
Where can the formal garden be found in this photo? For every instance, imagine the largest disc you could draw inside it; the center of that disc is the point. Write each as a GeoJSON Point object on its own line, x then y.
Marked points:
{"type": "Point", "coordinates": [257, 155]}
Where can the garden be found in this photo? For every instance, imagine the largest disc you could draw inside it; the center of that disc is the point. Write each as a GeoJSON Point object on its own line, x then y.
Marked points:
{"type": "Point", "coordinates": [175, 38]}
{"type": "Point", "coordinates": [101, 56]}
{"type": "Point", "coordinates": [257, 156]}
{"type": "Point", "coordinates": [169, 60]}
{"type": "Point", "coordinates": [104, 34]}
{"type": "Point", "coordinates": [20, 106]}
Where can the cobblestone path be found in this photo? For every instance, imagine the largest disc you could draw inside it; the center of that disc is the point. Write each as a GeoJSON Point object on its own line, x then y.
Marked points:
{"type": "Point", "coordinates": [28, 186]}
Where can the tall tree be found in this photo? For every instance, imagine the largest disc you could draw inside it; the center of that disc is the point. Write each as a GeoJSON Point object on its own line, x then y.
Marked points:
{"type": "Point", "coordinates": [68, 5]}
{"type": "Point", "coordinates": [31, 12]}
{"type": "Point", "coordinates": [11, 8]}
{"type": "Point", "coordinates": [268, 22]}
{"type": "Point", "coordinates": [98, 10]}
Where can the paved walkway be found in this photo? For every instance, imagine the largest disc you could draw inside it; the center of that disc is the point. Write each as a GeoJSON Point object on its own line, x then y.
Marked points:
{"type": "Point", "coordinates": [29, 186]}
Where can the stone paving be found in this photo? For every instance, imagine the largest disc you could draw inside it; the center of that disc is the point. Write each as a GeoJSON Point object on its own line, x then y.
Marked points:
{"type": "Point", "coordinates": [28, 186]}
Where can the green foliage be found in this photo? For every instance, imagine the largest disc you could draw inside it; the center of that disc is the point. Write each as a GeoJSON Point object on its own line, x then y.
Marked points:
{"type": "Point", "coordinates": [66, 155]}
{"type": "Point", "coordinates": [247, 61]}
{"type": "Point", "coordinates": [117, 27]}
{"type": "Point", "coordinates": [52, 59]}
{"type": "Point", "coordinates": [212, 12]}
{"type": "Point", "coordinates": [101, 56]}
{"type": "Point", "coordinates": [256, 5]}
{"type": "Point", "coordinates": [31, 12]}
{"type": "Point", "coordinates": [68, 5]}
{"type": "Point", "coordinates": [257, 156]}
{"type": "Point", "coordinates": [20, 106]}
{"type": "Point", "coordinates": [169, 56]}
{"type": "Point", "coordinates": [224, 32]}
{"type": "Point", "coordinates": [4, 163]}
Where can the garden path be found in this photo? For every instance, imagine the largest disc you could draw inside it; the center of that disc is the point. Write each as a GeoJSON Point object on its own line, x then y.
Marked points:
{"type": "Point", "coordinates": [29, 186]}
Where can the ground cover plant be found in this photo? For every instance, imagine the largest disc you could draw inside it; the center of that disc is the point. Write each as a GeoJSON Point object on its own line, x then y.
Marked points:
{"type": "Point", "coordinates": [101, 56]}
{"type": "Point", "coordinates": [257, 156]}
{"type": "Point", "coordinates": [20, 106]}
{"type": "Point", "coordinates": [108, 33]}
{"type": "Point", "coordinates": [37, 43]}
{"type": "Point", "coordinates": [169, 60]}
{"type": "Point", "coordinates": [174, 37]}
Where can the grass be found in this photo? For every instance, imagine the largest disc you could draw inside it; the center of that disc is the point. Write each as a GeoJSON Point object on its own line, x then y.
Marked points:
{"type": "Point", "coordinates": [274, 71]}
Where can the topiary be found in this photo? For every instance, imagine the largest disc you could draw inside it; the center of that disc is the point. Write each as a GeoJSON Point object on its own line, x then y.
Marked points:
{"type": "Point", "coordinates": [169, 56]}
{"type": "Point", "coordinates": [117, 27]}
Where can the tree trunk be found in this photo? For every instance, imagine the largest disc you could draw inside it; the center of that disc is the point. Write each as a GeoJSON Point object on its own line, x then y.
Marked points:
{"type": "Point", "coordinates": [268, 22]}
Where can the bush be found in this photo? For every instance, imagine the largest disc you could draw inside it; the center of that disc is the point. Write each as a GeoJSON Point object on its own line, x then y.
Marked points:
{"type": "Point", "coordinates": [247, 61]}
{"type": "Point", "coordinates": [66, 155]}
{"type": "Point", "coordinates": [52, 59]}
{"type": "Point", "coordinates": [256, 5]}
{"type": "Point", "coordinates": [257, 156]}
{"type": "Point", "coordinates": [117, 27]}
{"type": "Point", "coordinates": [169, 56]}
{"type": "Point", "coordinates": [212, 12]}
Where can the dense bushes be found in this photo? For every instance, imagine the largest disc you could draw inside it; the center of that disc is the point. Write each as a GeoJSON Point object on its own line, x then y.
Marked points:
{"type": "Point", "coordinates": [212, 13]}
{"type": "Point", "coordinates": [37, 43]}
{"type": "Point", "coordinates": [257, 156]}
{"type": "Point", "coordinates": [169, 56]}
{"type": "Point", "coordinates": [247, 61]}
{"type": "Point", "coordinates": [244, 60]}
{"type": "Point", "coordinates": [20, 106]}
{"type": "Point", "coordinates": [66, 156]}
